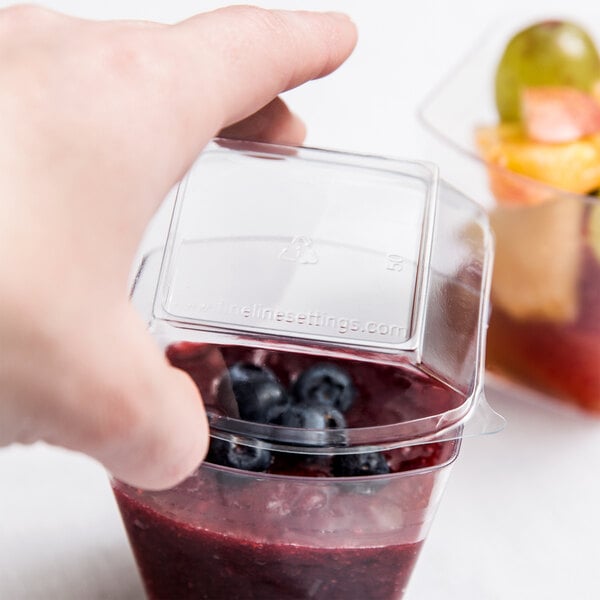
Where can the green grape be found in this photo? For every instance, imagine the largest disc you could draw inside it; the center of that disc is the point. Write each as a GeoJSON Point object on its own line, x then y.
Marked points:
{"type": "Point", "coordinates": [547, 53]}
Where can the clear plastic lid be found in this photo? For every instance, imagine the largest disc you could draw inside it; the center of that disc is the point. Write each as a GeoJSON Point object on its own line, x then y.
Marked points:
{"type": "Point", "coordinates": [311, 245]}
{"type": "Point", "coordinates": [327, 252]}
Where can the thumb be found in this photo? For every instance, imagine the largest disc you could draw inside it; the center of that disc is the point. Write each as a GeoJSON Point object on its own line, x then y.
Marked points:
{"type": "Point", "coordinates": [142, 418]}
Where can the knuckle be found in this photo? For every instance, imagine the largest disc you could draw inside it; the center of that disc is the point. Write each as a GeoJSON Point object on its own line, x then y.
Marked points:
{"type": "Point", "coordinates": [124, 418]}
{"type": "Point", "coordinates": [269, 20]}
{"type": "Point", "coordinates": [126, 53]}
{"type": "Point", "coordinates": [119, 417]}
{"type": "Point", "coordinates": [109, 395]}
{"type": "Point", "coordinates": [135, 58]}
{"type": "Point", "coordinates": [132, 51]}
{"type": "Point", "coordinates": [271, 28]}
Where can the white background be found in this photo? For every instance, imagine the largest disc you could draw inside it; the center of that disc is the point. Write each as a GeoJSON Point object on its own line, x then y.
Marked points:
{"type": "Point", "coordinates": [520, 518]}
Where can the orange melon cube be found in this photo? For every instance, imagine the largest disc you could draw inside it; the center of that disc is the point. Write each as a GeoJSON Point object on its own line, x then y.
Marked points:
{"type": "Point", "coordinates": [572, 166]}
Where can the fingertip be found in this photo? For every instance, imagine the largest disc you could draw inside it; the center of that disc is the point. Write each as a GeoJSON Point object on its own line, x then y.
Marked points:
{"type": "Point", "coordinates": [260, 53]}
{"type": "Point", "coordinates": [347, 23]}
{"type": "Point", "coordinates": [171, 441]}
{"type": "Point", "coordinates": [338, 15]}
{"type": "Point", "coordinates": [186, 432]}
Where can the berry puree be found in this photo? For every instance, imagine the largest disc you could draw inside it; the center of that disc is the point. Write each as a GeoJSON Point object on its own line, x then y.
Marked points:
{"type": "Point", "coordinates": [561, 359]}
{"type": "Point", "coordinates": [260, 523]}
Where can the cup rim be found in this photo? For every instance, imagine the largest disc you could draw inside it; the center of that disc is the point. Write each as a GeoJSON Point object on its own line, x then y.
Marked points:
{"type": "Point", "coordinates": [335, 479]}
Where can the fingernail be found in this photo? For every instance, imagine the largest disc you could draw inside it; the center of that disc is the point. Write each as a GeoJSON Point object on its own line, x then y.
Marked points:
{"type": "Point", "coordinates": [339, 15]}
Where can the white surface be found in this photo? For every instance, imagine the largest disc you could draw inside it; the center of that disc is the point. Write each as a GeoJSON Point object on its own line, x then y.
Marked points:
{"type": "Point", "coordinates": [520, 516]}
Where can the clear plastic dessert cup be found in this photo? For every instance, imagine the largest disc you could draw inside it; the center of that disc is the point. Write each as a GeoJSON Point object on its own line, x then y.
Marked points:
{"type": "Point", "coordinates": [331, 309]}
{"type": "Point", "coordinates": [544, 331]}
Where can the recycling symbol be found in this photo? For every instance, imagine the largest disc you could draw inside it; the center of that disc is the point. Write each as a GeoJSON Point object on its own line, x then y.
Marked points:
{"type": "Point", "coordinates": [300, 250]}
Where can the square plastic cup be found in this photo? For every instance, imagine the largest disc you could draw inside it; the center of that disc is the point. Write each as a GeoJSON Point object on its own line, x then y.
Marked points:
{"type": "Point", "coordinates": [300, 284]}
{"type": "Point", "coordinates": [544, 331]}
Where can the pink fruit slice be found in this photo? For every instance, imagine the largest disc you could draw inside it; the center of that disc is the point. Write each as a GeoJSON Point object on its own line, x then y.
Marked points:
{"type": "Point", "coordinates": [559, 114]}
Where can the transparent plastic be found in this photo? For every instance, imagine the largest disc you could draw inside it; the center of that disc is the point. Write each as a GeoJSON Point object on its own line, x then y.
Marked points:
{"type": "Point", "coordinates": [227, 533]}
{"type": "Point", "coordinates": [544, 331]}
{"type": "Point", "coordinates": [286, 260]}
{"type": "Point", "coordinates": [326, 251]}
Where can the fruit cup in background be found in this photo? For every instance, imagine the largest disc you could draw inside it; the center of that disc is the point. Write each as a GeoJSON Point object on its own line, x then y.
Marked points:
{"type": "Point", "coordinates": [526, 105]}
{"type": "Point", "coordinates": [331, 309]}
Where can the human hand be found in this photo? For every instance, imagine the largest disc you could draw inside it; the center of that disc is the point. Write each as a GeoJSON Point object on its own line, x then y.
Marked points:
{"type": "Point", "coordinates": [99, 120]}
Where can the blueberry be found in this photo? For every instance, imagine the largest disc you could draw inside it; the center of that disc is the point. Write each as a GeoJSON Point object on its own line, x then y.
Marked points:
{"type": "Point", "coordinates": [327, 384]}
{"type": "Point", "coordinates": [355, 465]}
{"type": "Point", "coordinates": [259, 395]}
{"type": "Point", "coordinates": [239, 456]}
{"type": "Point", "coordinates": [313, 416]}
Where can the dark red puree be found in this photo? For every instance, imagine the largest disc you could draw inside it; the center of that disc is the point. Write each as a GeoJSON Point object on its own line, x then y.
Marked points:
{"type": "Point", "coordinates": [562, 359]}
{"type": "Point", "coordinates": [296, 532]}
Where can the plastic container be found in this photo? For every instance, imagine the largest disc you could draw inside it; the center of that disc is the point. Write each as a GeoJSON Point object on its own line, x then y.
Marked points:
{"type": "Point", "coordinates": [305, 262]}
{"type": "Point", "coordinates": [544, 332]}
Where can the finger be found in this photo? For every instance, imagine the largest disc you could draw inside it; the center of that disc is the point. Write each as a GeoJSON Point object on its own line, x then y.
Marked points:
{"type": "Point", "coordinates": [141, 418]}
{"type": "Point", "coordinates": [238, 59]}
{"type": "Point", "coordinates": [167, 443]}
{"type": "Point", "coordinates": [168, 437]}
{"type": "Point", "coordinates": [170, 441]}
{"type": "Point", "coordinates": [273, 123]}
